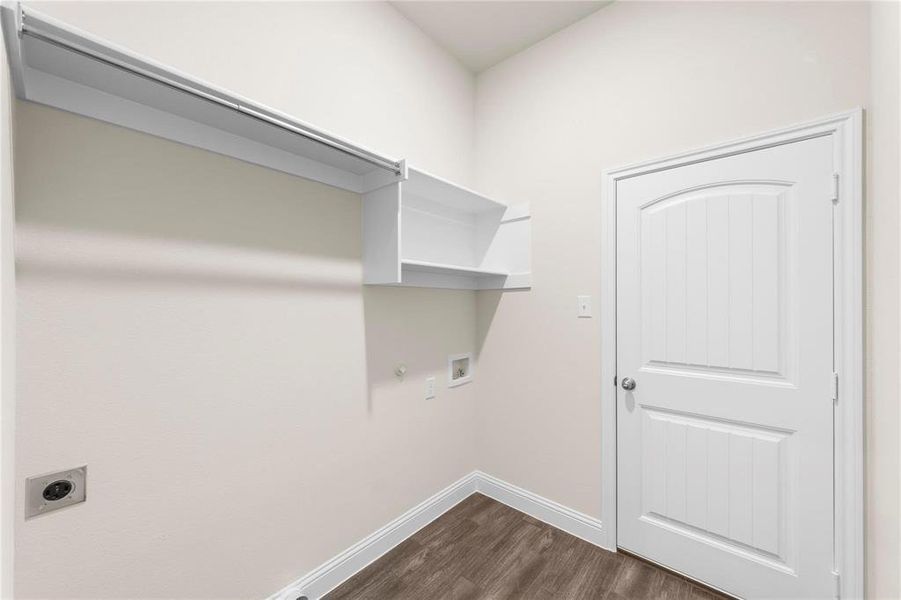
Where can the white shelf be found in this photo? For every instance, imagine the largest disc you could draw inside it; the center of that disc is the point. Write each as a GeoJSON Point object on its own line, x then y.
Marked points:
{"type": "Point", "coordinates": [440, 191]}
{"type": "Point", "coordinates": [418, 229]}
{"type": "Point", "coordinates": [427, 267]}
{"type": "Point", "coordinates": [55, 64]}
{"type": "Point", "coordinates": [428, 232]}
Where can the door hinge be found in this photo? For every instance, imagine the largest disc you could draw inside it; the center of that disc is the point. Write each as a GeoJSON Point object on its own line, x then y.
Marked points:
{"type": "Point", "coordinates": [838, 584]}
{"type": "Point", "coordinates": [835, 187]}
{"type": "Point", "coordinates": [835, 387]}
{"type": "Point", "coordinates": [614, 381]}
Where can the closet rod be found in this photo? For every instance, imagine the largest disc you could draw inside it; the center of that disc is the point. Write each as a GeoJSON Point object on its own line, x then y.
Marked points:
{"type": "Point", "coordinates": [260, 114]}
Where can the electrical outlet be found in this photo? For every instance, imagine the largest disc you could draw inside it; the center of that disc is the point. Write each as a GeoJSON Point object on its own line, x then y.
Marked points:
{"type": "Point", "coordinates": [429, 388]}
{"type": "Point", "coordinates": [46, 493]}
{"type": "Point", "coordinates": [584, 307]}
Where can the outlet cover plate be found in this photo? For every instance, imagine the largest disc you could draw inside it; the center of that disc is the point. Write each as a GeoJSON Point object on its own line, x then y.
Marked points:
{"type": "Point", "coordinates": [35, 502]}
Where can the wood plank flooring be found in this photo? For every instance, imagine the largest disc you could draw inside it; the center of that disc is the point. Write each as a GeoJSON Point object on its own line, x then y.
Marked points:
{"type": "Point", "coordinates": [482, 549]}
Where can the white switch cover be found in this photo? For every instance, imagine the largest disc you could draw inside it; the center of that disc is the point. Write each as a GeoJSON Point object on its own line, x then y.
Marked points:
{"type": "Point", "coordinates": [584, 311]}
{"type": "Point", "coordinates": [429, 388]}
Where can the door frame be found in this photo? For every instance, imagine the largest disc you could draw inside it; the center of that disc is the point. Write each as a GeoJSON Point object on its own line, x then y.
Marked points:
{"type": "Point", "coordinates": [846, 130]}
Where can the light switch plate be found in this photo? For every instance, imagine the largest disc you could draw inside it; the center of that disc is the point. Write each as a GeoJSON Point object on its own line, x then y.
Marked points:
{"type": "Point", "coordinates": [46, 493]}
{"type": "Point", "coordinates": [429, 388]}
{"type": "Point", "coordinates": [584, 307]}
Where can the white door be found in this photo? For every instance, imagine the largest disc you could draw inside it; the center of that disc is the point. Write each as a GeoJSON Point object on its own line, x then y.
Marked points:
{"type": "Point", "coordinates": [724, 322]}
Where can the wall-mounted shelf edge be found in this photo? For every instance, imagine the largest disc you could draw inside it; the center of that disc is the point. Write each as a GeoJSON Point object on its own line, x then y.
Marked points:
{"type": "Point", "coordinates": [426, 185]}
{"type": "Point", "coordinates": [57, 65]}
{"type": "Point", "coordinates": [429, 267]}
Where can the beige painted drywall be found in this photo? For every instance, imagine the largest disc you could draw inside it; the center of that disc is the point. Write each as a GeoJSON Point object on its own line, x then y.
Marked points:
{"type": "Point", "coordinates": [7, 333]}
{"type": "Point", "coordinates": [194, 328]}
{"type": "Point", "coordinates": [633, 82]}
{"type": "Point", "coordinates": [883, 172]}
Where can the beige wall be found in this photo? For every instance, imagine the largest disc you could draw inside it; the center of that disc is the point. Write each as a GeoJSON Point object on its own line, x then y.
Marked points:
{"type": "Point", "coordinates": [883, 171]}
{"type": "Point", "coordinates": [7, 333]}
{"type": "Point", "coordinates": [194, 328]}
{"type": "Point", "coordinates": [633, 82]}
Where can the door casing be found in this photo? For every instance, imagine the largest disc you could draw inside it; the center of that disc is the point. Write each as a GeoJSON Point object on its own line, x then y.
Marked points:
{"type": "Point", "coordinates": [846, 130]}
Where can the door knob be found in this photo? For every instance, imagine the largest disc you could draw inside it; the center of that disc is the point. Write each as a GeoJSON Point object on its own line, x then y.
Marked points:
{"type": "Point", "coordinates": [628, 384]}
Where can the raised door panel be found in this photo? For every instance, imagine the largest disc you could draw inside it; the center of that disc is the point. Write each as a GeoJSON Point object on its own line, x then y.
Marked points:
{"type": "Point", "coordinates": [726, 484]}
{"type": "Point", "coordinates": [715, 285]}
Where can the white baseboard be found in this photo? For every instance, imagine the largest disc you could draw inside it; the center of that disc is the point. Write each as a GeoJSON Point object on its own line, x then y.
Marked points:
{"type": "Point", "coordinates": [339, 569]}
{"type": "Point", "coordinates": [550, 512]}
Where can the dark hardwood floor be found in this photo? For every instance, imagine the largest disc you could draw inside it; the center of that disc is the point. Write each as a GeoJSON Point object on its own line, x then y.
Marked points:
{"type": "Point", "coordinates": [483, 549]}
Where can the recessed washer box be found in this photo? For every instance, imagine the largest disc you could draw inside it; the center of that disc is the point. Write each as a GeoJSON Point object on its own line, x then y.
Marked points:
{"type": "Point", "coordinates": [459, 369]}
{"type": "Point", "coordinates": [46, 493]}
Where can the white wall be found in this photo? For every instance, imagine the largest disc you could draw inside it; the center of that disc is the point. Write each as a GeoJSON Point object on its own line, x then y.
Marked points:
{"type": "Point", "coordinates": [194, 328]}
{"type": "Point", "coordinates": [635, 81]}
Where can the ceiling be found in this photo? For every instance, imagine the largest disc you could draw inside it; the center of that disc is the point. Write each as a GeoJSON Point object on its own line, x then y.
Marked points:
{"type": "Point", "coordinates": [482, 34]}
